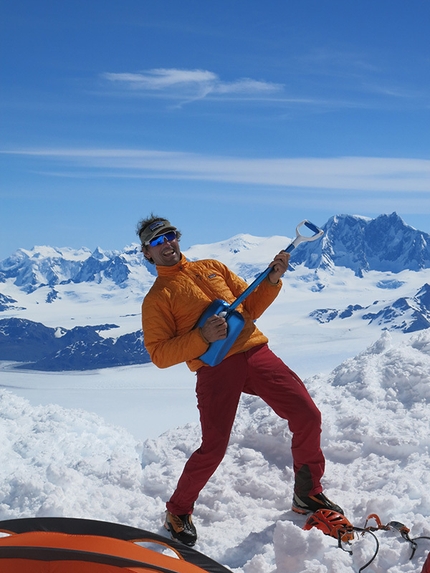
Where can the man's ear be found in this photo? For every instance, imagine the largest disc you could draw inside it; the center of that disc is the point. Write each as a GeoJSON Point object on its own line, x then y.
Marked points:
{"type": "Point", "coordinates": [145, 254]}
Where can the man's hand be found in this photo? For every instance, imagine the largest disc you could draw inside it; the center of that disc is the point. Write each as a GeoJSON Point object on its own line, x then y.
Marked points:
{"type": "Point", "coordinates": [279, 266]}
{"type": "Point", "coordinates": [215, 328]}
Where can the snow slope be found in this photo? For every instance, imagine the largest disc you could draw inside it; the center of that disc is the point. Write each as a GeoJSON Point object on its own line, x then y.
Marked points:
{"type": "Point", "coordinates": [110, 444]}
{"type": "Point", "coordinates": [63, 462]}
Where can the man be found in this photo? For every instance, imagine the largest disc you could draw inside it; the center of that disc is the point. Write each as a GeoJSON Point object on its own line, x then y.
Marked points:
{"type": "Point", "coordinates": [170, 311]}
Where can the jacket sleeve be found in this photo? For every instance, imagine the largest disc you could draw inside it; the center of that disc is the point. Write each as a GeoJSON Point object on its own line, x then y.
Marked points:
{"type": "Point", "coordinates": [164, 345]}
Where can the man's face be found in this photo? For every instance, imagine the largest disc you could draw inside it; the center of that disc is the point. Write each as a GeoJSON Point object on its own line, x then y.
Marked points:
{"type": "Point", "coordinates": [165, 254]}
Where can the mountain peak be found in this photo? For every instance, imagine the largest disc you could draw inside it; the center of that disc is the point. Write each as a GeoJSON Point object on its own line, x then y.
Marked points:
{"type": "Point", "coordinates": [359, 243]}
{"type": "Point", "coordinates": [384, 244]}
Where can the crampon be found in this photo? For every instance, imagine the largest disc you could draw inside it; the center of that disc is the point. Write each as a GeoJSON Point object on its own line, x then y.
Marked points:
{"type": "Point", "coordinates": [338, 526]}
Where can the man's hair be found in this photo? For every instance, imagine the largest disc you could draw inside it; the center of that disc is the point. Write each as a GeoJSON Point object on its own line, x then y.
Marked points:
{"type": "Point", "coordinates": [144, 223]}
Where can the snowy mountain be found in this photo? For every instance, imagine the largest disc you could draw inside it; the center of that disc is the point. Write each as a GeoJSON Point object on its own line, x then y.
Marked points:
{"type": "Point", "coordinates": [383, 244]}
{"type": "Point", "coordinates": [407, 314]}
{"type": "Point", "coordinates": [344, 320]}
{"type": "Point", "coordinates": [46, 289]}
{"type": "Point", "coordinates": [336, 279]}
{"type": "Point", "coordinates": [46, 266]}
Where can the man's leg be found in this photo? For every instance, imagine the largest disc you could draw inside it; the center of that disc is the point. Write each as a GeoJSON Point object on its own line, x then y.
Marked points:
{"type": "Point", "coordinates": [282, 390]}
{"type": "Point", "coordinates": [218, 393]}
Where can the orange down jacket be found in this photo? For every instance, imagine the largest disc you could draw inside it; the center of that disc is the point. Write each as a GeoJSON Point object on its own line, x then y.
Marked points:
{"type": "Point", "coordinates": [178, 297]}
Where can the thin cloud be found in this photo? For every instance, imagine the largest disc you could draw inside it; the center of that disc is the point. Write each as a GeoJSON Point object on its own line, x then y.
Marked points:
{"type": "Point", "coordinates": [360, 73]}
{"type": "Point", "coordinates": [160, 79]}
{"type": "Point", "coordinates": [189, 84]}
{"type": "Point", "coordinates": [365, 174]}
{"type": "Point", "coordinates": [356, 86]}
{"type": "Point", "coordinates": [329, 62]}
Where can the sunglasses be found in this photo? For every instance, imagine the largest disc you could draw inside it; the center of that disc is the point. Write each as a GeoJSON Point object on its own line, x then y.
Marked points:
{"type": "Point", "coordinates": [170, 236]}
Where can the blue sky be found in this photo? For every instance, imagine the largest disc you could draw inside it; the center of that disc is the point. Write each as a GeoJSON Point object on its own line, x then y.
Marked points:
{"type": "Point", "coordinates": [225, 116]}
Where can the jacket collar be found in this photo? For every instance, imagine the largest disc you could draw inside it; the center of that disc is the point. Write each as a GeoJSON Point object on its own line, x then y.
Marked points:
{"type": "Point", "coordinates": [163, 271]}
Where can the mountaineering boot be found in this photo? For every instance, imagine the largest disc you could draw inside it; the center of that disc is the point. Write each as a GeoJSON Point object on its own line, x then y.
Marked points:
{"type": "Point", "coordinates": [181, 528]}
{"type": "Point", "coordinates": [307, 504]}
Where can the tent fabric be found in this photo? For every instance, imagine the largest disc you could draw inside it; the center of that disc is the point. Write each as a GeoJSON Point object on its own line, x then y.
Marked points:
{"type": "Point", "coordinates": [69, 545]}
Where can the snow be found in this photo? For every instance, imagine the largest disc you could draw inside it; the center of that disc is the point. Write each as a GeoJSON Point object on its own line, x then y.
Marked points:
{"type": "Point", "coordinates": [110, 444]}
{"type": "Point", "coordinates": [142, 399]}
{"type": "Point", "coordinates": [58, 461]}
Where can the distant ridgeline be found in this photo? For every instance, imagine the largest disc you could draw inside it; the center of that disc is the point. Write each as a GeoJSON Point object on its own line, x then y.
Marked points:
{"type": "Point", "coordinates": [59, 274]}
{"type": "Point", "coordinates": [408, 314]}
{"type": "Point", "coordinates": [384, 244]}
{"type": "Point", "coordinates": [38, 347]}
{"type": "Point", "coordinates": [57, 277]}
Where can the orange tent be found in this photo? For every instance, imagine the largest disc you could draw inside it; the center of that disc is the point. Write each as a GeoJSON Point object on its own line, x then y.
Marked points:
{"type": "Point", "coordinates": [68, 545]}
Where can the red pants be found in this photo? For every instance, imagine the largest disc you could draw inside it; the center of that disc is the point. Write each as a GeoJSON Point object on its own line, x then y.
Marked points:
{"type": "Point", "coordinates": [426, 566]}
{"type": "Point", "coordinates": [258, 372]}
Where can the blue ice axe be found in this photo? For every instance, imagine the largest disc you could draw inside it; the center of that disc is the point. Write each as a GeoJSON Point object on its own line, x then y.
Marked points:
{"type": "Point", "coordinates": [235, 321]}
